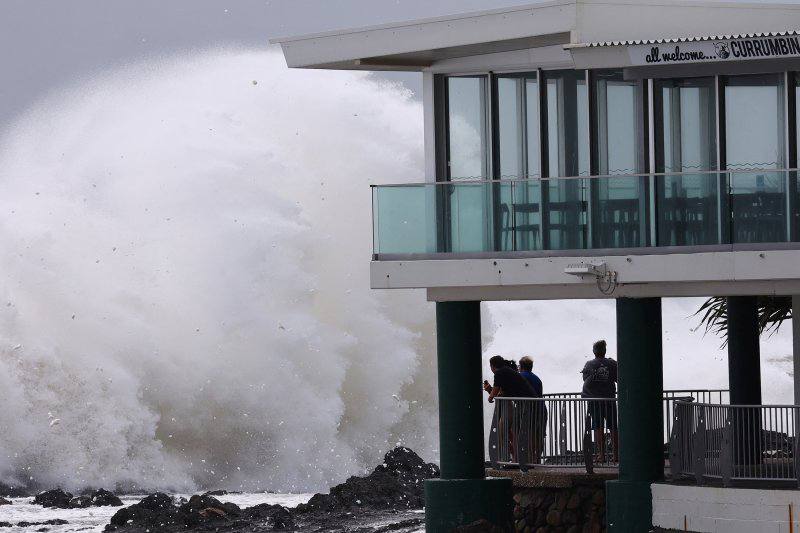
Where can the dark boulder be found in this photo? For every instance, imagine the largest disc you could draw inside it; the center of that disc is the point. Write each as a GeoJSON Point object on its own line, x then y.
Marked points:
{"type": "Point", "coordinates": [53, 522]}
{"type": "Point", "coordinates": [201, 509]}
{"type": "Point", "coordinates": [3, 501]}
{"type": "Point", "coordinates": [273, 516]}
{"type": "Point", "coordinates": [104, 498]}
{"type": "Point", "coordinates": [155, 512]}
{"type": "Point", "coordinates": [53, 498]}
{"type": "Point", "coordinates": [396, 484]}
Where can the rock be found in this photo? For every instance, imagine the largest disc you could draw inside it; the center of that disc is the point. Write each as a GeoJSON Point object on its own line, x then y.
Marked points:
{"type": "Point", "coordinates": [554, 518]}
{"type": "Point", "coordinates": [104, 498]}
{"type": "Point", "coordinates": [215, 493]}
{"type": "Point", "coordinates": [201, 509]}
{"type": "Point", "coordinates": [6, 524]}
{"type": "Point", "coordinates": [274, 516]}
{"type": "Point", "coordinates": [13, 492]}
{"type": "Point", "coordinates": [3, 501]}
{"type": "Point", "coordinates": [396, 484]}
{"type": "Point", "coordinates": [53, 498]}
{"type": "Point", "coordinates": [53, 522]}
{"type": "Point", "coordinates": [574, 501]}
{"type": "Point", "coordinates": [154, 511]}
{"type": "Point", "coordinates": [80, 502]}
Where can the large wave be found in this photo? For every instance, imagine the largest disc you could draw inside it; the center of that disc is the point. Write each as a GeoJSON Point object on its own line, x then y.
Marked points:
{"type": "Point", "coordinates": [184, 289]}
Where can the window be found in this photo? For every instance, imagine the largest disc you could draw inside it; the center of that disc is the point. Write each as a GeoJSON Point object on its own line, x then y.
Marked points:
{"type": "Point", "coordinates": [566, 121]}
{"type": "Point", "coordinates": [754, 144]}
{"type": "Point", "coordinates": [618, 203]}
{"type": "Point", "coordinates": [519, 157]}
{"type": "Point", "coordinates": [686, 148]}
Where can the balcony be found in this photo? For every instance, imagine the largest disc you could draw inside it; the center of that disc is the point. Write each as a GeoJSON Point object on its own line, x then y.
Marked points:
{"type": "Point", "coordinates": [594, 215]}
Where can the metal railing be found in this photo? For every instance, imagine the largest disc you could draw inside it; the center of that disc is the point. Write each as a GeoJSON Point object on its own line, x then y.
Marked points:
{"type": "Point", "coordinates": [553, 432]}
{"type": "Point", "coordinates": [729, 443]}
{"type": "Point", "coordinates": [557, 430]}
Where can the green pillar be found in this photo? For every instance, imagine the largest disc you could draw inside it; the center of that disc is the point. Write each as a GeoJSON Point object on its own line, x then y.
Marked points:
{"type": "Point", "coordinates": [463, 494]}
{"type": "Point", "coordinates": [744, 356]}
{"type": "Point", "coordinates": [641, 419]}
{"type": "Point", "coordinates": [744, 377]}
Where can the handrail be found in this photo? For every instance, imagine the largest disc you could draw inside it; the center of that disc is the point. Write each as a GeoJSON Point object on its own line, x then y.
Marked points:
{"type": "Point", "coordinates": [477, 181]}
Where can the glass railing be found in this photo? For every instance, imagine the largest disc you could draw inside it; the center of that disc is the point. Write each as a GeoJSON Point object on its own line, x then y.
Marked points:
{"type": "Point", "coordinates": [597, 212]}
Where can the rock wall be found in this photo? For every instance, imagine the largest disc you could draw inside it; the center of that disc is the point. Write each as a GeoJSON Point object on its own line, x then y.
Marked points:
{"type": "Point", "coordinates": [579, 508]}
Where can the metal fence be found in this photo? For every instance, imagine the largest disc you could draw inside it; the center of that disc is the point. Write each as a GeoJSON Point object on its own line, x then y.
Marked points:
{"type": "Point", "coordinates": [557, 430]}
{"type": "Point", "coordinates": [553, 432]}
{"type": "Point", "coordinates": [728, 443]}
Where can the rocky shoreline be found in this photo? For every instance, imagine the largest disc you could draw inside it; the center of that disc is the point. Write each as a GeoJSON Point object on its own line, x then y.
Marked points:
{"type": "Point", "coordinates": [391, 495]}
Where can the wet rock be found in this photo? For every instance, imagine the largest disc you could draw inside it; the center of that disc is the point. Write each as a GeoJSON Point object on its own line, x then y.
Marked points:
{"type": "Point", "coordinates": [201, 509]}
{"type": "Point", "coordinates": [104, 498]}
{"type": "Point", "coordinates": [53, 522]}
{"type": "Point", "coordinates": [273, 516]}
{"type": "Point", "coordinates": [398, 483]}
{"type": "Point", "coordinates": [3, 501]}
{"type": "Point", "coordinates": [53, 498]}
{"type": "Point", "coordinates": [14, 492]}
{"type": "Point", "coordinates": [155, 511]}
{"type": "Point", "coordinates": [6, 524]}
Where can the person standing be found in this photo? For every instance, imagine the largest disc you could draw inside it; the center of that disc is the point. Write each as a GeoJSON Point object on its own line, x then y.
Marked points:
{"type": "Point", "coordinates": [539, 410]}
{"type": "Point", "coordinates": [526, 371]}
{"type": "Point", "coordinates": [513, 417]}
{"type": "Point", "coordinates": [599, 381]}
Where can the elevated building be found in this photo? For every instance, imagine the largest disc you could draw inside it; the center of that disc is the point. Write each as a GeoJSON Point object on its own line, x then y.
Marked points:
{"type": "Point", "coordinates": [589, 149]}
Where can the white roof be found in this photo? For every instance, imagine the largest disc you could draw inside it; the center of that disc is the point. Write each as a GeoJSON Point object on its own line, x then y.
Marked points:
{"type": "Point", "coordinates": [416, 45]}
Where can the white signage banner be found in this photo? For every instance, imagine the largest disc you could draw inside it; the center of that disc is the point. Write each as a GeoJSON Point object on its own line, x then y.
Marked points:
{"type": "Point", "coordinates": [713, 51]}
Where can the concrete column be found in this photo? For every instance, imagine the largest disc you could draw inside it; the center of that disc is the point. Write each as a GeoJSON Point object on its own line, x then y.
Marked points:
{"type": "Point", "coordinates": [744, 356]}
{"type": "Point", "coordinates": [463, 494]}
{"type": "Point", "coordinates": [641, 417]}
{"type": "Point", "coordinates": [744, 378]}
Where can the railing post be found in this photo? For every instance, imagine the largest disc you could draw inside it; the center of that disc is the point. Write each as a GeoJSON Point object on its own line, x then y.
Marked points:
{"type": "Point", "coordinates": [676, 458]}
{"type": "Point", "coordinates": [726, 450]}
{"type": "Point", "coordinates": [699, 446]}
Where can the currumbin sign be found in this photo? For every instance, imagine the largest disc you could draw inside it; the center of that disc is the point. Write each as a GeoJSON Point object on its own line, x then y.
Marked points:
{"type": "Point", "coordinates": [715, 50]}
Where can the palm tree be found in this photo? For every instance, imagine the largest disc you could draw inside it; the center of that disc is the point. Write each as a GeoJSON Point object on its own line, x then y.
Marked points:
{"type": "Point", "coordinates": [772, 312]}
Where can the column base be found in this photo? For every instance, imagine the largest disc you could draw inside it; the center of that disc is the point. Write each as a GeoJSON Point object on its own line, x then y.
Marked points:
{"type": "Point", "coordinates": [629, 506]}
{"type": "Point", "coordinates": [450, 503]}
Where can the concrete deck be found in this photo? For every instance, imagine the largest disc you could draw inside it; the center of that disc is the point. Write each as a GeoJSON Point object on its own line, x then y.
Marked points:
{"type": "Point", "coordinates": [555, 478]}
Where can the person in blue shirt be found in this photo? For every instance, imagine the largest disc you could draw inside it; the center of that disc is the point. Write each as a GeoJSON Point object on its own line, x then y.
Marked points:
{"type": "Point", "coordinates": [526, 371]}
{"type": "Point", "coordinates": [539, 411]}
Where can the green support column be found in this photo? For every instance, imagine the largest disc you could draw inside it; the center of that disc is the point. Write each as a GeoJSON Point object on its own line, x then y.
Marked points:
{"type": "Point", "coordinates": [463, 494]}
{"type": "Point", "coordinates": [744, 377]}
{"type": "Point", "coordinates": [629, 504]}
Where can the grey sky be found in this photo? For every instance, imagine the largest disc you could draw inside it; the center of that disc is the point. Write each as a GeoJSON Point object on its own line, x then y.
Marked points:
{"type": "Point", "coordinates": [46, 43]}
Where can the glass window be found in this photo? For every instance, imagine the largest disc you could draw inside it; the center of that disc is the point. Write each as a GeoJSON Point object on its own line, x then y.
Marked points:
{"type": "Point", "coordinates": [618, 202]}
{"type": "Point", "coordinates": [754, 144]}
{"type": "Point", "coordinates": [519, 158]}
{"type": "Point", "coordinates": [466, 128]}
{"type": "Point", "coordinates": [567, 137]}
{"type": "Point", "coordinates": [685, 144]}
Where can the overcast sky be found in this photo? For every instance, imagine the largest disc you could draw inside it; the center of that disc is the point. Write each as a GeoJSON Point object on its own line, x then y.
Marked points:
{"type": "Point", "coordinates": [46, 43]}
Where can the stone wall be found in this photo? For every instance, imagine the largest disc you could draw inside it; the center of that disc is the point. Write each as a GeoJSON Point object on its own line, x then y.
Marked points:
{"type": "Point", "coordinates": [576, 509]}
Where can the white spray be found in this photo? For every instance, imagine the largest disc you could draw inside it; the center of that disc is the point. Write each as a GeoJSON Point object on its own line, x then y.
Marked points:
{"type": "Point", "coordinates": [184, 248]}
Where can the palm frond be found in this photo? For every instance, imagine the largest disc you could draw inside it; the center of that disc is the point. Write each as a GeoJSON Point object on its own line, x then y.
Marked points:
{"type": "Point", "coordinates": [773, 311]}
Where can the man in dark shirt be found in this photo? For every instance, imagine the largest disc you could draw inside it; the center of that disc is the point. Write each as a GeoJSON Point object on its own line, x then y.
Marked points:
{"type": "Point", "coordinates": [510, 414]}
{"type": "Point", "coordinates": [599, 381]}
{"type": "Point", "coordinates": [507, 381]}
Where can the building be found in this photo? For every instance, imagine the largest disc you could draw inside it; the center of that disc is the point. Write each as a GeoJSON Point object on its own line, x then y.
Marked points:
{"type": "Point", "coordinates": [590, 149]}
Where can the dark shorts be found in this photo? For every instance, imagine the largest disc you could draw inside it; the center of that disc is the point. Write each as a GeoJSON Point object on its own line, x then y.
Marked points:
{"type": "Point", "coordinates": [603, 414]}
